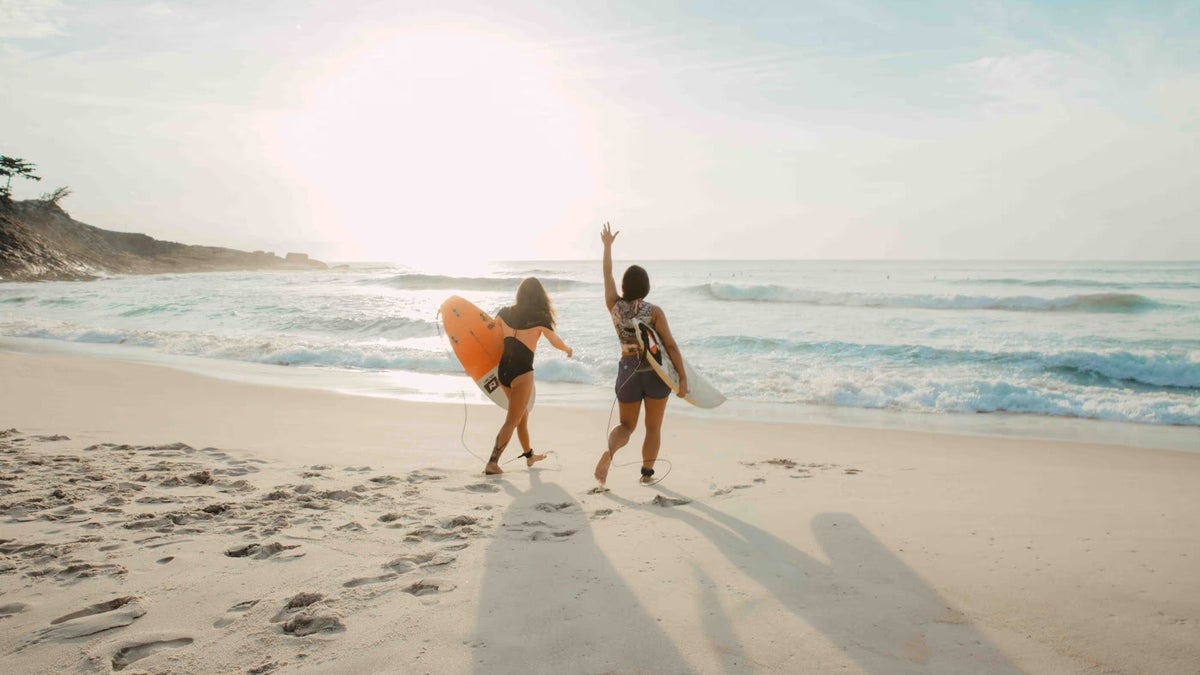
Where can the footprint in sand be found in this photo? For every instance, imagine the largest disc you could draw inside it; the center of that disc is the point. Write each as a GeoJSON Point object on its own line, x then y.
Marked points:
{"type": "Point", "coordinates": [12, 608]}
{"type": "Point", "coordinates": [263, 551]}
{"type": "Point", "coordinates": [364, 581]}
{"type": "Point", "coordinates": [296, 603]}
{"type": "Point", "coordinates": [542, 535]}
{"type": "Point", "coordinates": [429, 587]}
{"type": "Point", "coordinates": [160, 544]}
{"type": "Point", "coordinates": [139, 651]}
{"type": "Point", "coordinates": [413, 561]}
{"type": "Point", "coordinates": [458, 521]}
{"type": "Point", "coordinates": [240, 608]}
{"type": "Point", "coordinates": [478, 488]}
{"type": "Point", "coordinates": [344, 496]}
{"type": "Point", "coordinates": [551, 508]}
{"type": "Point", "coordinates": [305, 614]}
{"type": "Point", "coordinates": [266, 667]}
{"type": "Point", "coordinates": [308, 624]}
{"type": "Point", "coordinates": [91, 620]}
{"type": "Point", "coordinates": [520, 527]}
{"type": "Point", "coordinates": [420, 476]}
{"type": "Point", "coordinates": [430, 532]}
{"type": "Point", "coordinates": [76, 571]}
{"type": "Point", "coordinates": [191, 479]}
{"type": "Point", "coordinates": [660, 500]}
{"type": "Point", "coordinates": [238, 469]}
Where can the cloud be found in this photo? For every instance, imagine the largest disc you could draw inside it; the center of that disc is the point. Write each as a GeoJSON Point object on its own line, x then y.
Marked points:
{"type": "Point", "coordinates": [158, 9]}
{"type": "Point", "coordinates": [30, 19]}
{"type": "Point", "coordinates": [1030, 78]}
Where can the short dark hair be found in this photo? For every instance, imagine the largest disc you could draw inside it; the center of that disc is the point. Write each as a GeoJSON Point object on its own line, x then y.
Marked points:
{"type": "Point", "coordinates": [635, 285]}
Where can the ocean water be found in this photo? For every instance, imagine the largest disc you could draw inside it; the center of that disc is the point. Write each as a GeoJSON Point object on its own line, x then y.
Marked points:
{"type": "Point", "coordinates": [1103, 341]}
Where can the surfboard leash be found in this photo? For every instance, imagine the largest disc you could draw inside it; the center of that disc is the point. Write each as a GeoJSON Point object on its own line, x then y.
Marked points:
{"type": "Point", "coordinates": [462, 434]}
{"type": "Point", "coordinates": [608, 430]}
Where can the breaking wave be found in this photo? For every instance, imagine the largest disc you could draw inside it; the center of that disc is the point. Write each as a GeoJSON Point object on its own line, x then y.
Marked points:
{"type": "Point", "coordinates": [1088, 302]}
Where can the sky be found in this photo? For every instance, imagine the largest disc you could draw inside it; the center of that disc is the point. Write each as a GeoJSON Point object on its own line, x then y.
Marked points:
{"type": "Point", "coordinates": [448, 131]}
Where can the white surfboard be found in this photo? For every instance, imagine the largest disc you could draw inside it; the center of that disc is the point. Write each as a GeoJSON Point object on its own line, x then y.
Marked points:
{"type": "Point", "coordinates": [701, 392]}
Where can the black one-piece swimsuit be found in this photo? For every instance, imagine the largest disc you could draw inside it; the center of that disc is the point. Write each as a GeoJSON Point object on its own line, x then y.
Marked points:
{"type": "Point", "coordinates": [516, 361]}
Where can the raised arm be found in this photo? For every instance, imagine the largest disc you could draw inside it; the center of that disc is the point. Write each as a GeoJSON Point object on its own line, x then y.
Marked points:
{"type": "Point", "coordinates": [659, 319]}
{"type": "Point", "coordinates": [610, 286]}
{"type": "Point", "coordinates": [557, 342]}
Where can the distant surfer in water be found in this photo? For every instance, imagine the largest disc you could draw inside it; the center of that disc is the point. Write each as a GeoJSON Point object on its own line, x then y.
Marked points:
{"type": "Point", "coordinates": [522, 324]}
{"type": "Point", "coordinates": [637, 383]}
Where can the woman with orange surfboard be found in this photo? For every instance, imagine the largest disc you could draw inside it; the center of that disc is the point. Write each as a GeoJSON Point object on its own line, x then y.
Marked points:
{"type": "Point", "coordinates": [522, 324]}
{"type": "Point", "coordinates": [637, 384]}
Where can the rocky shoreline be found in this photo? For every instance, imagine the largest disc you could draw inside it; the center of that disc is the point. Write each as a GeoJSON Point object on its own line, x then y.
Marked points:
{"type": "Point", "coordinates": [39, 241]}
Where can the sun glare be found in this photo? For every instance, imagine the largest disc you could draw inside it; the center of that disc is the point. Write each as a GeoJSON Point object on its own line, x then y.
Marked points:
{"type": "Point", "coordinates": [434, 145]}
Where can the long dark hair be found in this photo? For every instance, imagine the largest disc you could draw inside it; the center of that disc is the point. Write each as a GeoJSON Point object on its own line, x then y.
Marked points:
{"type": "Point", "coordinates": [635, 285]}
{"type": "Point", "coordinates": [533, 306]}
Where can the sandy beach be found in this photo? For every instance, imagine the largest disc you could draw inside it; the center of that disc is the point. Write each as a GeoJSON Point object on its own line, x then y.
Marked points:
{"type": "Point", "coordinates": [158, 521]}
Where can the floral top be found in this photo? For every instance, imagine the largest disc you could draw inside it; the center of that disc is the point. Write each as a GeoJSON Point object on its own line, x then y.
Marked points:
{"type": "Point", "coordinates": [623, 314]}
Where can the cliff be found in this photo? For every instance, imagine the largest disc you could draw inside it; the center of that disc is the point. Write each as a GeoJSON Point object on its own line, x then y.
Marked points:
{"type": "Point", "coordinates": [40, 241]}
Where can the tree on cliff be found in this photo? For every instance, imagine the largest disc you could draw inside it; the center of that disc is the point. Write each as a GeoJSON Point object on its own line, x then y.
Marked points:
{"type": "Point", "coordinates": [56, 196]}
{"type": "Point", "coordinates": [14, 166]}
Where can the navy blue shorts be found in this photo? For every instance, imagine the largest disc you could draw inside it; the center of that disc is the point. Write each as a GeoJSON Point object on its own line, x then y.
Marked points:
{"type": "Point", "coordinates": [634, 385]}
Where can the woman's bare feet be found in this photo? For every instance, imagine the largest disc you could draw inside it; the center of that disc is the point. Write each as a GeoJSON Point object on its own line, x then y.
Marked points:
{"type": "Point", "coordinates": [533, 459]}
{"type": "Point", "coordinates": [603, 465]}
{"type": "Point", "coordinates": [492, 469]}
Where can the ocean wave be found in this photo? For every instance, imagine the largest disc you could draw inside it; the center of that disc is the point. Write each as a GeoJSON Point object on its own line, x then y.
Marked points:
{"type": "Point", "coordinates": [535, 272]}
{"type": "Point", "coordinates": [1079, 283]}
{"type": "Point", "coordinates": [972, 395]}
{"type": "Point", "coordinates": [267, 349]}
{"type": "Point", "coordinates": [150, 310]}
{"type": "Point", "coordinates": [563, 370]}
{"type": "Point", "coordinates": [1089, 302]}
{"type": "Point", "coordinates": [359, 358]}
{"type": "Point", "coordinates": [394, 327]}
{"type": "Point", "coordinates": [16, 300]}
{"type": "Point", "coordinates": [433, 282]}
{"type": "Point", "coordinates": [1174, 369]}
{"type": "Point", "coordinates": [61, 302]}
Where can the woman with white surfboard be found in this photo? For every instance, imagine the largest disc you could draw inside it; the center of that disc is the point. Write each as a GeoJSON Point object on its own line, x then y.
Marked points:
{"type": "Point", "coordinates": [637, 383]}
{"type": "Point", "coordinates": [522, 324]}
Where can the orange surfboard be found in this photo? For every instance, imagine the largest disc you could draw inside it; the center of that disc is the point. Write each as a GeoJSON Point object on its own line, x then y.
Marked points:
{"type": "Point", "coordinates": [478, 343]}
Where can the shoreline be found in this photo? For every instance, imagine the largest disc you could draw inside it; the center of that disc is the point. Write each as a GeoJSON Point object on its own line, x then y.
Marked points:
{"type": "Point", "coordinates": [232, 526]}
{"type": "Point", "coordinates": [456, 390]}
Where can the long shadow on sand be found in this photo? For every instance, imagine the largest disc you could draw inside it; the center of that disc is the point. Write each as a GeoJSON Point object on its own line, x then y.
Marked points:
{"type": "Point", "coordinates": [551, 602]}
{"type": "Point", "coordinates": [866, 601]}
